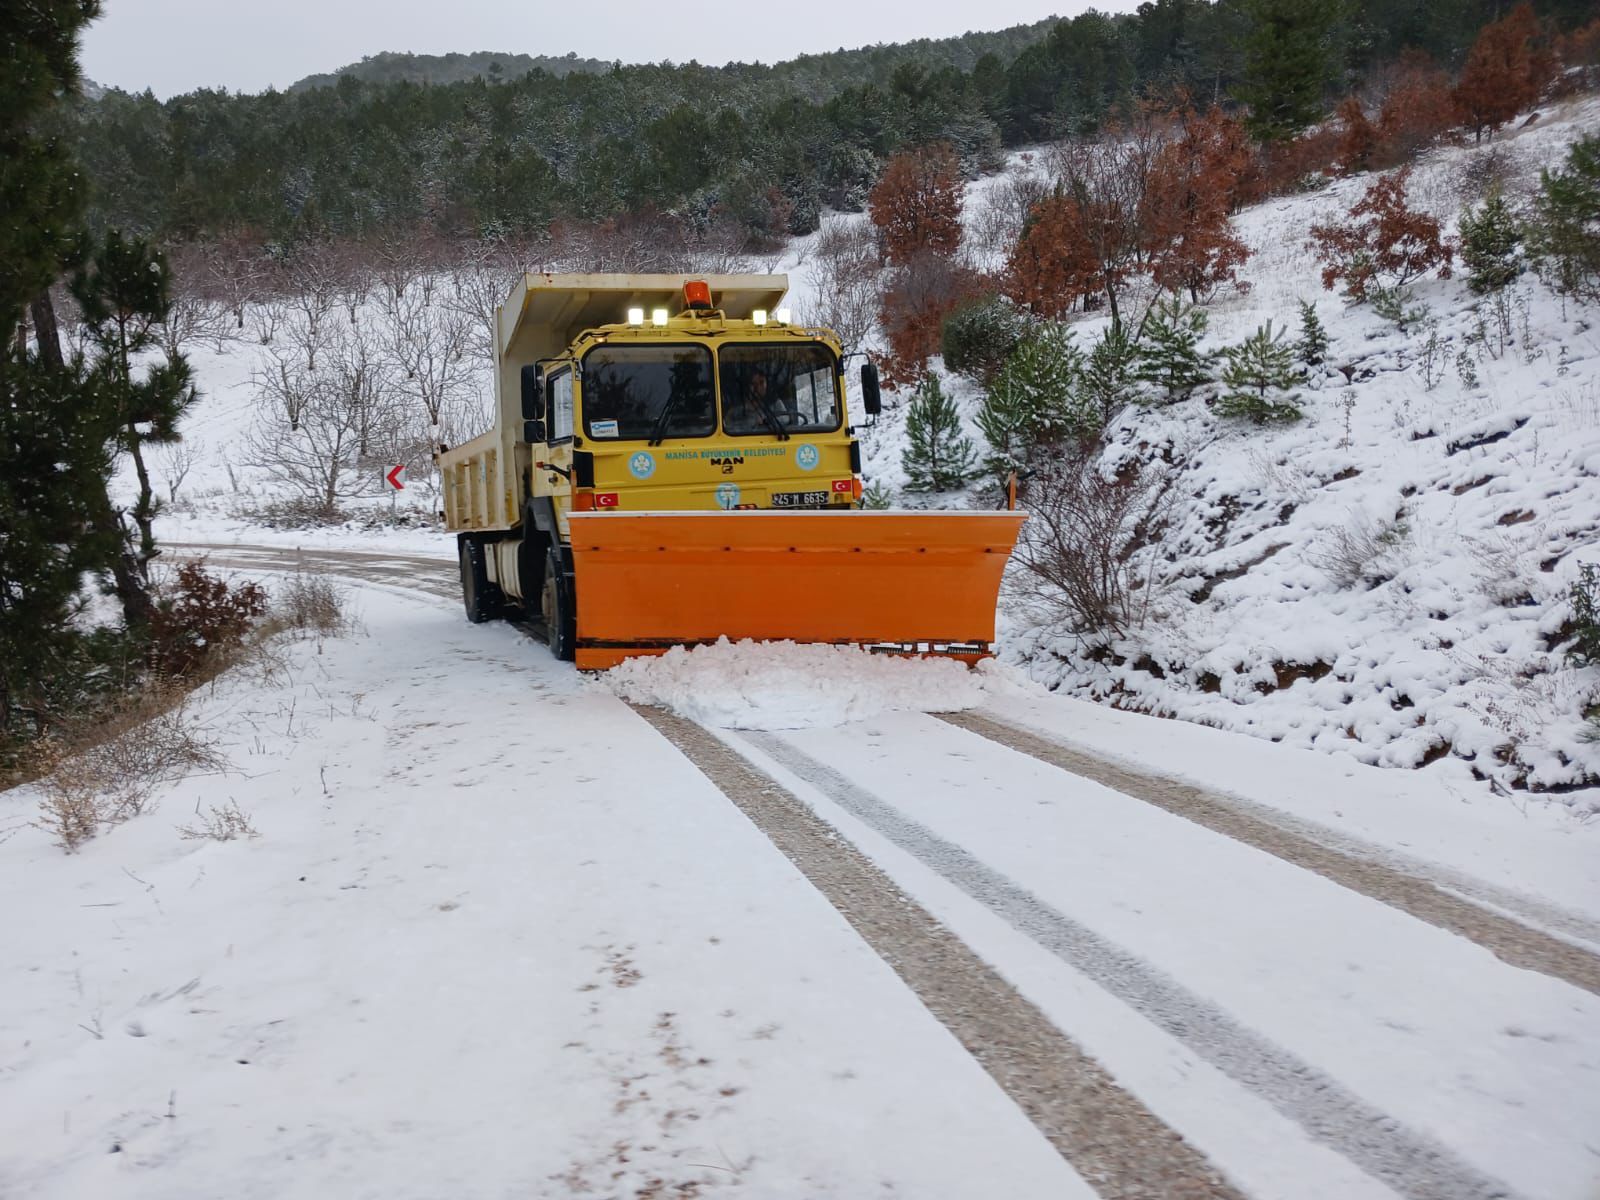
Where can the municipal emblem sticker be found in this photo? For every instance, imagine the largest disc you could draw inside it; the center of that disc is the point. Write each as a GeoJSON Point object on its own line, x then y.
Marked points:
{"type": "Point", "coordinates": [728, 495]}
{"type": "Point", "coordinates": [642, 465]}
{"type": "Point", "coordinates": [806, 457]}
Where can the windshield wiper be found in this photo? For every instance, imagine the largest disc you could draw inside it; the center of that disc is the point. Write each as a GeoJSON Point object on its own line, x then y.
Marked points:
{"type": "Point", "coordinates": [659, 431]}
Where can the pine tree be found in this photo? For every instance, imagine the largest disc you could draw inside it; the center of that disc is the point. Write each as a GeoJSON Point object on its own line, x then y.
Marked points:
{"type": "Point", "coordinates": [41, 191]}
{"type": "Point", "coordinates": [1043, 377]}
{"type": "Point", "coordinates": [979, 336]}
{"type": "Point", "coordinates": [54, 423]}
{"type": "Point", "coordinates": [1312, 348]}
{"type": "Point", "coordinates": [124, 293]}
{"type": "Point", "coordinates": [54, 461]}
{"type": "Point", "coordinates": [1108, 375]}
{"type": "Point", "coordinates": [876, 496]}
{"type": "Point", "coordinates": [938, 456]}
{"type": "Point", "coordinates": [1169, 352]}
{"type": "Point", "coordinates": [1564, 235]}
{"type": "Point", "coordinates": [1004, 422]}
{"type": "Point", "coordinates": [1490, 239]}
{"type": "Point", "coordinates": [1255, 373]}
{"type": "Point", "coordinates": [1287, 61]}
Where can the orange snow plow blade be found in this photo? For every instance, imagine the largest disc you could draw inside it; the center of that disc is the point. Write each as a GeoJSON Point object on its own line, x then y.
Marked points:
{"type": "Point", "coordinates": [914, 583]}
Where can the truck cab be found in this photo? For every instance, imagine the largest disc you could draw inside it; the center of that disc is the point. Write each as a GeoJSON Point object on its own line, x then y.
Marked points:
{"type": "Point", "coordinates": [642, 393]}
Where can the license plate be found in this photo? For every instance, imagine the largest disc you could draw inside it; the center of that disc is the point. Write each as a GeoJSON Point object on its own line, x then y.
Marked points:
{"type": "Point", "coordinates": [797, 499]}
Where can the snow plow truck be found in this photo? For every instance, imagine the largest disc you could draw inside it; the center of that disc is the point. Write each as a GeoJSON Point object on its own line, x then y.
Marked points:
{"type": "Point", "coordinates": [674, 460]}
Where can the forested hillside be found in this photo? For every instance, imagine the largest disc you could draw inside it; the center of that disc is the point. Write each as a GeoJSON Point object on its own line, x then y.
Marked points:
{"type": "Point", "coordinates": [814, 76]}
{"type": "Point", "coordinates": [389, 67]}
{"type": "Point", "coordinates": [763, 148]}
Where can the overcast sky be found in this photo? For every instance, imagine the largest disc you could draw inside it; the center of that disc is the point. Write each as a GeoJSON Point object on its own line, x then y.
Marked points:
{"type": "Point", "coordinates": [173, 46]}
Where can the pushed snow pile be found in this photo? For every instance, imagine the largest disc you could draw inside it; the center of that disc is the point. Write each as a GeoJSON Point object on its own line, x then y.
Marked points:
{"type": "Point", "coordinates": [789, 685]}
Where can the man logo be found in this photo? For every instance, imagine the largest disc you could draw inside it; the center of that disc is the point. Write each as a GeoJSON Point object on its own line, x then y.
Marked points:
{"type": "Point", "coordinates": [642, 465]}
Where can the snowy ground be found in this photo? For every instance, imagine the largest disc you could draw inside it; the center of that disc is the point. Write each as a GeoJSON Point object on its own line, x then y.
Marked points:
{"type": "Point", "coordinates": [498, 937]}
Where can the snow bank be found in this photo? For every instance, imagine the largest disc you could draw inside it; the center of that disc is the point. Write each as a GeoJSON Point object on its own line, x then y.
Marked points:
{"type": "Point", "coordinates": [787, 685]}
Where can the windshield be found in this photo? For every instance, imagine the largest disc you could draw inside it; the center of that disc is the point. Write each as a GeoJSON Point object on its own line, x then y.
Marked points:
{"type": "Point", "coordinates": [794, 387]}
{"type": "Point", "coordinates": [648, 392]}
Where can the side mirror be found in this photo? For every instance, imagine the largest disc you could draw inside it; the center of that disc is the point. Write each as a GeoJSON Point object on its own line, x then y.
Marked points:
{"type": "Point", "coordinates": [533, 432]}
{"type": "Point", "coordinates": [871, 398]}
{"type": "Point", "coordinates": [533, 394]}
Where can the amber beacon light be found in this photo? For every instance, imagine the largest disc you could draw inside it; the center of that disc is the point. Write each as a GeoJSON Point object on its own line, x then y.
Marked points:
{"type": "Point", "coordinates": [697, 294]}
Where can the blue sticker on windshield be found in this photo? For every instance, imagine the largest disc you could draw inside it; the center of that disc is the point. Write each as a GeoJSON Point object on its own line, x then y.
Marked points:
{"type": "Point", "coordinates": [642, 465]}
{"type": "Point", "coordinates": [806, 457]}
{"type": "Point", "coordinates": [728, 495]}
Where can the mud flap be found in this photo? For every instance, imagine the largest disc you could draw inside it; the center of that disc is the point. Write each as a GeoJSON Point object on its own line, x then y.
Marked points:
{"type": "Point", "coordinates": [906, 582]}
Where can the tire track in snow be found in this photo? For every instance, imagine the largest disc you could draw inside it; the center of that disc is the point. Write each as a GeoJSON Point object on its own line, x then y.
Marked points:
{"type": "Point", "coordinates": [1411, 1163]}
{"type": "Point", "coordinates": [1417, 892]}
{"type": "Point", "coordinates": [1109, 1137]}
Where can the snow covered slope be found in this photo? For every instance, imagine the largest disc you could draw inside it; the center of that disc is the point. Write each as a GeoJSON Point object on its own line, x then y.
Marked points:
{"type": "Point", "coordinates": [1466, 497]}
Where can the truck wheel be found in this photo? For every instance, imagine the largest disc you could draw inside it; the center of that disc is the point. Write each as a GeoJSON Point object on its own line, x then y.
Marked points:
{"type": "Point", "coordinates": [481, 598]}
{"type": "Point", "coordinates": [556, 602]}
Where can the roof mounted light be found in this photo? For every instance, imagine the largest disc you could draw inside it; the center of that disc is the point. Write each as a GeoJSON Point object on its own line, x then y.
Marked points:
{"type": "Point", "coordinates": [636, 316]}
{"type": "Point", "coordinates": [697, 294]}
{"type": "Point", "coordinates": [759, 316]}
{"type": "Point", "coordinates": [658, 316]}
{"type": "Point", "coordinates": [783, 316]}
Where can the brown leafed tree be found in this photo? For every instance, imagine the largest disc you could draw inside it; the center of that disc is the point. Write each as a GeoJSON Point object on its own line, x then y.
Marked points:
{"type": "Point", "coordinates": [1106, 182]}
{"type": "Point", "coordinates": [1053, 264]}
{"type": "Point", "coordinates": [1578, 53]}
{"type": "Point", "coordinates": [1384, 244]}
{"type": "Point", "coordinates": [1358, 137]}
{"type": "Point", "coordinates": [916, 203]}
{"type": "Point", "coordinates": [920, 294]}
{"type": "Point", "coordinates": [1504, 72]}
{"type": "Point", "coordinates": [1418, 107]}
{"type": "Point", "coordinates": [1192, 187]}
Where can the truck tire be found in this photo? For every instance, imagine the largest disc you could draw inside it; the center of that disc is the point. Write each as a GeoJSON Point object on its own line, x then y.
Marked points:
{"type": "Point", "coordinates": [482, 599]}
{"type": "Point", "coordinates": [558, 607]}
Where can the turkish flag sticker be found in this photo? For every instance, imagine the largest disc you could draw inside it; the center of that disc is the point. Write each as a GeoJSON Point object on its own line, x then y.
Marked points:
{"type": "Point", "coordinates": [605, 500]}
{"type": "Point", "coordinates": [841, 485]}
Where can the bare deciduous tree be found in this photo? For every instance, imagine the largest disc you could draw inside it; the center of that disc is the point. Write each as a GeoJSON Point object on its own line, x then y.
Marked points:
{"type": "Point", "coordinates": [177, 459]}
{"type": "Point", "coordinates": [1090, 552]}
{"type": "Point", "coordinates": [350, 422]}
{"type": "Point", "coordinates": [845, 264]}
{"type": "Point", "coordinates": [236, 276]}
{"type": "Point", "coordinates": [428, 341]}
{"type": "Point", "coordinates": [1107, 181]}
{"type": "Point", "coordinates": [998, 225]}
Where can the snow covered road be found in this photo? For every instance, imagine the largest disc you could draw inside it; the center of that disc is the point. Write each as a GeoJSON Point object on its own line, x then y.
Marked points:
{"type": "Point", "coordinates": [505, 934]}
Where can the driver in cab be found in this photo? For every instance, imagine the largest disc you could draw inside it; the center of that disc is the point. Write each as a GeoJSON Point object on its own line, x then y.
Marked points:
{"type": "Point", "coordinates": [755, 410]}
